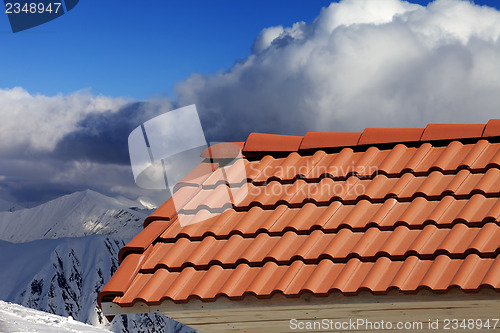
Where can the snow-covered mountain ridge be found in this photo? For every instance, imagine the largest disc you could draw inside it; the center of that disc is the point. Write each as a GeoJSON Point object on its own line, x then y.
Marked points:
{"type": "Point", "coordinates": [63, 276]}
{"type": "Point", "coordinates": [74, 215]}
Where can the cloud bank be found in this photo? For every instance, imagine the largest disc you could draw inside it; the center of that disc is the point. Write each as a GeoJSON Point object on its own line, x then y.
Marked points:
{"type": "Point", "coordinates": [54, 145]}
{"type": "Point", "coordinates": [361, 63]}
{"type": "Point", "coordinates": [36, 123]}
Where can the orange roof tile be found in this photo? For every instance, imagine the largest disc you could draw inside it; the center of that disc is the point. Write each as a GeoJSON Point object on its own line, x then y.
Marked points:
{"type": "Point", "coordinates": [405, 209]}
{"type": "Point", "coordinates": [492, 128]}
{"type": "Point", "coordinates": [318, 140]}
{"type": "Point", "coordinates": [223, 150]}
{"type": "Point", "coordinates": [452, 131]}
{"type": "Point", "coordinates": [371, 136]}
{"type": "Point", "coordinates": [271, 142]}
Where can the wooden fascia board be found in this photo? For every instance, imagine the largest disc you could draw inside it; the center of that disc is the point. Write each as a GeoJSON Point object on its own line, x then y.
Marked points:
{"type": "Point", "coordinates": [364, 300]}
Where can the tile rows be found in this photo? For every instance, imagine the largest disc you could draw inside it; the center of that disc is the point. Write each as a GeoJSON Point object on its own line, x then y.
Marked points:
{"type": "Point", "coordinates": [404, 209]}
{"type": "Point", "coordinates": [322, 278]}
{"type": "Point", "coordinates": [338, 247]}
{"type": "Point", "coordinates": [386, 215]}
{"type": "Point", "coordinates": [369, 163]}
{"type": "Point", "coordinates": [327, 190]}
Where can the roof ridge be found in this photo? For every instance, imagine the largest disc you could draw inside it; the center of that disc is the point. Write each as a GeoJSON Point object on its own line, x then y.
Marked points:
{"type": "Point", "coordinates": [264, 142]}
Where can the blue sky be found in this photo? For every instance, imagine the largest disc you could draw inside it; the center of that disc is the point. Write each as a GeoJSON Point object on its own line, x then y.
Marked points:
{"type": "Point", "coordinates": [141, 49]}
{"type": "Point", "coordinates": [358, 63]}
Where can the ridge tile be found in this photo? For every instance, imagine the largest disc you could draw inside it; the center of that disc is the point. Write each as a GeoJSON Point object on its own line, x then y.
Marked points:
{"type": "Point", "coordinates": [371, 136]}
{"type": "Point", "coordinates": [260, 142]}
{"type": "Point", "coordinates": [319, 140]}
{"type": "Point", "coordinates": [452, 131]}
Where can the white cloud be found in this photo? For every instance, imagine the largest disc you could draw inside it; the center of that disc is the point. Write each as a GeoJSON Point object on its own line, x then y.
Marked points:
{"type": "Point", "coordinates": [265, 38]}
{"type": "Point", "coordinates": [452, 20]}
{"type": "Point", "coordinates": [36, 123]}
{"type": "Point", "coordinates": [361, 63]}
{"type": "Point", "coordinates": [350, 12]}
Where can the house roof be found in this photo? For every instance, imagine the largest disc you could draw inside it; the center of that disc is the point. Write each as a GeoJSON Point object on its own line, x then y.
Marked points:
{"type": "Point", "coordinates": [384, 209]}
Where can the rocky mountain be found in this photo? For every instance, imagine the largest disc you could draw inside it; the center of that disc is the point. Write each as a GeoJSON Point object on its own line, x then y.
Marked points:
{"type": "Point", "coordinates": [56, 258]}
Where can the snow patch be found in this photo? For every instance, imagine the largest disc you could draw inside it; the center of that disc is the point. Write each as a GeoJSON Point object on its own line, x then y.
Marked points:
{"type": "Point", "coordinates": [17, 318]}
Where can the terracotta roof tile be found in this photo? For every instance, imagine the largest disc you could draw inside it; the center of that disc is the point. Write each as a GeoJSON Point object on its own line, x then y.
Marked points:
{"type": "Point", "coordinates": [272, 142]}
{"type": "Point", "coordinates": [123, 277]}
{"type": "Point", "coordinates": [456, 242]}
{"type": "Point", "coordinates": [350, 278]}
{"type": "Point", "coordinates": [326, 190]}
{"type": "Point", "coordinates": [144, 239]}
{"type": "Point", "coordinates": [318, 140]}
{"type": "Point", "coordinates": [381, 211]}
{"type": "Point", "coordinates": [386, 215]}
{"type": "Point", "coordinates": [168, 210]}
{"type": "Point", "coordinates": [393, 162]}
{"type": "Point", "coordinates": [223, 150]}
{"type": "Point", "coordinates": [198, 176]}
{"type": "Point", "coordinates": [492, 128]}
{"type": "Point", "coordinates": [371, 136]}
{"type": "Point", "coordinates": [452, 131]}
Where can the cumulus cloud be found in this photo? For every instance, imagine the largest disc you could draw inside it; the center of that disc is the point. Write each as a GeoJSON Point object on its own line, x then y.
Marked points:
{"type": "Point", "coordinates": [361, 63]}
{"type": "Point", "coordinates": [54, 145]}
{"type": "Point", "coordinates": [38, 122]}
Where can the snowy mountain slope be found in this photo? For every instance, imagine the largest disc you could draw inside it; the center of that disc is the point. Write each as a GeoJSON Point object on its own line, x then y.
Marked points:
{"type": "Point", "coordinates": [16, 318]}
{"type": "Point", "coordinates": [74, 215]}
{"type": "Point", "coordinates": [63, 276]}
{"type": "Point", "coordinates": [15, 272]}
